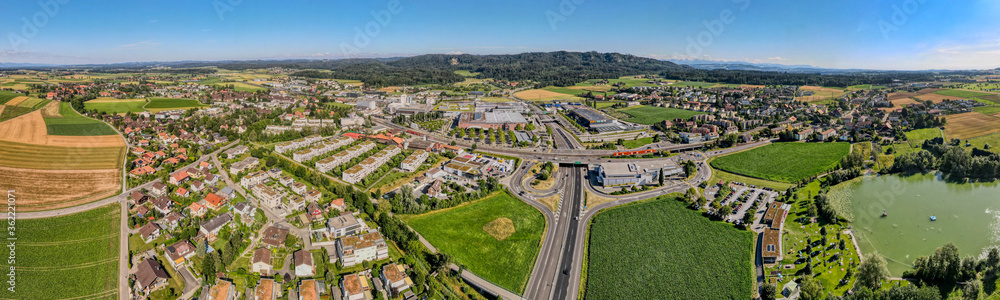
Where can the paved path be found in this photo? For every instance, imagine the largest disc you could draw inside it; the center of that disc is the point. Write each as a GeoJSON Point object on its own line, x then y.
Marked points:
{"type": "Point", "coordinates": [477, 281]}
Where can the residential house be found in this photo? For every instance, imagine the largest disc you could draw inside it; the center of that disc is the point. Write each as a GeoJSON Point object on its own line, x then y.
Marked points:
{"type": "Point", "coordinates": [253, 179]}
{"type": "Point", "coordinates": [394, 279]}
{"type": "Point", "coordinates": [149, 232]}
{"type": "Point", "coordinates": [180, 252]}
{"type": "Point", "coordinates": [337, 204]}
{"type": "Point", "coordinates": [182, 192]}
{"type": "Point", "coordinates": [222, 290]}
{"type": "Point", "coordinates": [197, 209]}
{"type": "Point", "coordinates": [227, 192]}
{"type": "Point", "coordinates": [179, 177]}
{"type": "Point", "coordinates": [149, 276]}
{"type": "Point", "coordinates": [353, 250]}
{"type": "Point", "coordinates": [313, 195]}
{"type": "Point", "coordinates": [268, 196]}
{"type": "Point", "coordinates": [244, 209]}
{"type": "Point", "coordinates": [171, 221]}
{"type": "Point", "coordinates": [274, 236]}
{"type": "Point", "coordinates": [214, 201]}
{"type": "Point", "coordinates": [345, 224]}
{"type": "Point", "coordinates": [302, 262]}
{"type": "Point", "coordinates": [261, 262]}
{"type": "Point", "coordinates": [309, 290]}
{"type": "Point", "coordinates": [212, 227]}
{"type": "Point", "coordinates": [197, 186]}
{"type": "Point", "coordinates": [298, 188]}
{"type": "Point", "coordinates": [354, 286]}
{"type": "Point", "coordinates": [138, 198]}
{"type": "Point", "coordinates": [266, 290]}
{"type": "Point", "coordinates": [163, 205]}
{"type": "Point", "coordinates": [158, 189]}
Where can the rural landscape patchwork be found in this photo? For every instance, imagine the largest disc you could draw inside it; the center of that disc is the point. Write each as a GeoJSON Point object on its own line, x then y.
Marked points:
{"type": "Point", "coordinates": [557, 149]}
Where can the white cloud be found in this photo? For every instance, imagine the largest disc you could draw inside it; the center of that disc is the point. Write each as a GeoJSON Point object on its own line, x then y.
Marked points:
{"type": "Point", "coordinates": [982, 55]}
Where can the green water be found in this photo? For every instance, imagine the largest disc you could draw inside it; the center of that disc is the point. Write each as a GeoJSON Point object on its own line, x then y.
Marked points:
{"type": "Point", "coordinates": [968, 215]}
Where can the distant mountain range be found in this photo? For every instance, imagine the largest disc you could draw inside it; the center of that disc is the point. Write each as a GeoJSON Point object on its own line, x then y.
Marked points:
{"type": "Point", "coordinates": [766, 67]}
{"type": "Point", "coordinates": [21, 65]}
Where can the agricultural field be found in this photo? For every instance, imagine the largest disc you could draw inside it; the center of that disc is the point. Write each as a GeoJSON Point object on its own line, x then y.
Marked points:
{"type": "Point", "coordinates": [7, 96]}
{"type": "Point", "coordinates": [989, 100]}
{"type": "Point", "coordinates": [240, 86]}
{"type": "Point", "coordinates": [67, 257]}
{"type": "Point", "coordinates": [819, 94]}
{"type": "Point", "coordinates": [73, 124]}
{"type": "Point", "coordinates": [545, 95]}
{"type": "Point", "coordinates": [698, 84]}
{"type": "Point", "coordinates": [988, 110]}
{"type": "Point", "coordinates": [628, 81]}
{"type": "Point", "coordinates": [116, 107]}
{"type": "Point", "coordinates": [51, 171]}
{"type": "Point", "coordinates": [462, 232]}
{"type": "Point", "coordinates": [159, 104]}
{"type": "Point", "coordinates": [808, 159]}
{"type": "Point", "coordinates": [920, 135]}
{"type": "Point", "coordinates": [495, 99]}
{"type": "Point", "coordinates": [866, 87]}
{"type": "Point", "coordinates": [658, 249]}
{"type": "Point", "coordinates": [650, 115]}
{"type": "Point", "coordinates": [970, 125]}
{"type": "Point", "coordinates": [961, 94]}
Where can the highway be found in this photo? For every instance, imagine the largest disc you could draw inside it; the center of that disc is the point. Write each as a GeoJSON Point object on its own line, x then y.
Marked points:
{"type": "Point", "coordinates": [567, 267]}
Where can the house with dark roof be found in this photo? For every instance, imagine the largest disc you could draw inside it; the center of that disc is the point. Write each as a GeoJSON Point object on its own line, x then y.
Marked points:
{"type": "Point", "coordinates": [302, 261]}
{"type": "Point", "coordinates": [212, 227]}
{"type": "Point", "coordinates": [149, 232]}
{"type": "Point", "coordinates": [274, 236]}
{"type": "Point", "coordinates": [180, 252]}
{"type": "Point", "coordinates": [158, 189]}
{"type": "Point", "coordinates": [261, 262]}
{"type": "Point", "coordinates": [149, 276]}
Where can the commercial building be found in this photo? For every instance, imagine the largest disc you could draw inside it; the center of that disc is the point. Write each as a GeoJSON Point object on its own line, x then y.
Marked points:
{"type": "Point", "coordinates": [369, 165]}
{"type": "Point", "coordinates": [589, 117]}
{"type": "Point", "coordinates": [353, 250]}
{"type": "Point", "coordinates": [632, 173]}
{"type": "Point", "coordinates": [495, 120]}
{"type": "Point", "coordinates": [465, 166]}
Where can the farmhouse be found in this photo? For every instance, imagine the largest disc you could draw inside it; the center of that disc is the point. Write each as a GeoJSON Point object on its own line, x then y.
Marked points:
{"type": "Point", "coordinates": [634, 173]}
{"type": "Point", "coordinates": [353, 250]}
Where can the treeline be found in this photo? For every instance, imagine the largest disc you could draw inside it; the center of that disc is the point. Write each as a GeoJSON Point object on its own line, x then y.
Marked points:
{"type": "Point", "coordinates": [952, 160]}
{"type": "Point", "coordinates": [405, 201]}
{"type": "Point", "coordinates": [780, 78]}
{"type": "Point", "coordinates": [381, 74]}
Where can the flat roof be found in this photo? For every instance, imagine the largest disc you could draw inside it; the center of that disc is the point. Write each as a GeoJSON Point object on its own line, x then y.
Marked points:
{"type": "Point", "coordinates": [771, 243]}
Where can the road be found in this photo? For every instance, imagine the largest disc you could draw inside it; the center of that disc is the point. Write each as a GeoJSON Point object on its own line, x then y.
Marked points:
{"type": "Point", "coordinates": [571, 224]}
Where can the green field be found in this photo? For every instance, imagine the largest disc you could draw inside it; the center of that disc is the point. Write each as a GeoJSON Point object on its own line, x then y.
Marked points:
{"type": "Point", "coordinates": [865, 87]}
{"type": "Point", "coordinates": [116, 107]}
{"type": "Point", "coordinates": [7, 96]}
{"type": "Point", "coordinates": [459, 231]}
{"type": "Point", "coordinates": [989, 110]}
{"type": "Point", "coordinates": [650, 115]}
{"type": "Point", "coordinates": [74, 124]}
{"type": "Point", "coordinates": [698, 84]}
{"type": "Point", "coordinates": [784, 162]}
{"type": "Point", "coordinates": [719, 175]}
{"type": "Point", "coordinates": [992, 139]}
{"type": "Point", "coordinates": [632, 144]}
{"type": "Point", "coordinates": [169, 103]}
{"type": "Point", "coordinates": [962, 94]}
{"type": "Point", "coordinates": [67, 257]}
{"type": "Point", "coordinates": [920, 135]}
{"type": "Point", "coordinates": [660, 250]}
{"type": "Point", "coordinates": [466, 73]}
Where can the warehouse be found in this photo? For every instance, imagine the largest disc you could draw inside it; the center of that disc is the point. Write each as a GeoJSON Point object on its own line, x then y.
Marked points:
{"type": "Point", "coordinates": [495, 120]}
{"type": "Point", "coordinates": [589, 118]}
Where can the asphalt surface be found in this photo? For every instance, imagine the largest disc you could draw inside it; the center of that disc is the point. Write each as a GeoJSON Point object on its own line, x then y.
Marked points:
{"type": "Point", "coordinates": [566, 263]}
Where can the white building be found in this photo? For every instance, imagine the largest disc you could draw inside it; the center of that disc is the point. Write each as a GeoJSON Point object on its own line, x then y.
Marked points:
{"type": "Point", "coordinates": [353, 250]}
{"type": "Point", "coordinates": [327, 164]}
{"type": "Point", "coordinates": [412, 162]}
{"type": "Point", "coordinates": [369, 165]}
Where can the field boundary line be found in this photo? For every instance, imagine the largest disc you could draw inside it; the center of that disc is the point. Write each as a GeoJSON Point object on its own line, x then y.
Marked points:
{"type": "Point", "coordinates": [70, 241]}
{"type": "Point", "coordinates": [73, 267]}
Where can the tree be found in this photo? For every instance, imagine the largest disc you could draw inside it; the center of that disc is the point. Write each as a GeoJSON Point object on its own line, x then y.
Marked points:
{"type": "Point", "coordinates": [769, 292]}
{"type": "Point", "coordinates": [873, 271]}
{"type": "Point", "coordinates": [290, 240]}
{"type": "Point", "coordinates": [202, 248]}
{"type": "Point", "coordinates": [811, 289]}
{"type": "Point", "coordinates": [661, 176]}
{"type": "Point", "coordinates": [208, 267]}
{"type": "Point", "coordinates": [972, 288]}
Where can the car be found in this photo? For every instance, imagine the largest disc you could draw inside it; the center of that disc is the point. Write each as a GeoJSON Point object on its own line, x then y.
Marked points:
{"type": "Point", "coordinates": [566, 271]}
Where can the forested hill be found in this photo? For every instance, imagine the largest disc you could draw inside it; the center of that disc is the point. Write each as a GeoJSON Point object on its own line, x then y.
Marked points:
{"type": "Point", "coordinates": [548, 68]}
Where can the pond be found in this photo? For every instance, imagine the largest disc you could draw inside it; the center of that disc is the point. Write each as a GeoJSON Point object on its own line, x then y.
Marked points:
{"type": "Point", "coordinates": [967, 215]}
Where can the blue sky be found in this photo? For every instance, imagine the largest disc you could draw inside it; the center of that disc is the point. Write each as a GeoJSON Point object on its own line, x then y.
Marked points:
{"type": "Point", "coordinates": [895, 34]}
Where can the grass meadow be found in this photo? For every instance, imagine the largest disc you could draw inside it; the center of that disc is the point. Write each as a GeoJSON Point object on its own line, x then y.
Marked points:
{"type": "Point", "coordinates": [650, 115]}
{"type": "Point", "coordinates": [459, 231]}
{"type": "Point", "coordinates": [784, 162]}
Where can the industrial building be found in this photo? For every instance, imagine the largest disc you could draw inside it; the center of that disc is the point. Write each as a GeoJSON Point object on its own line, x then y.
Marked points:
{"type": "Point", "coordinates": [588, 117]}
{"type": "Point", "coordinates": [495, 120]}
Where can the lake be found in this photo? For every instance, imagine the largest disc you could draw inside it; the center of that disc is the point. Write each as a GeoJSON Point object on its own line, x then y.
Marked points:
{"type": "Point", "coordinates": [968, 215]}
